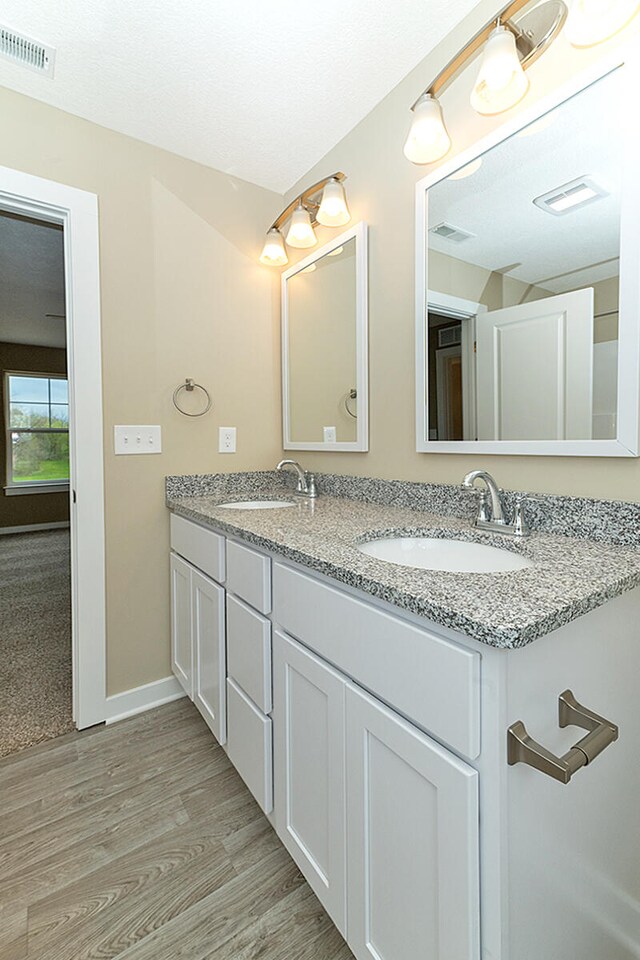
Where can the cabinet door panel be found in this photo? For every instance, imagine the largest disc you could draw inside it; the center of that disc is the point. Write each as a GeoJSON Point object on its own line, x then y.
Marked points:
{"type": "Point", "coordinates": [207, 606]}
{"type": "Point", "coordinates": [181, 633]}
{"type": "Point", "coordinates": [412, 827]}
{"type": "Point", "coordinates": [309, 770]}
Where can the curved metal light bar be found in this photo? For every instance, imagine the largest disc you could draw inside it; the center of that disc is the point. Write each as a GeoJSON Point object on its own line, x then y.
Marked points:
{"type": "Point", "coordinates": [309, 203]}
{"type": "Point", "coordinates": [428, 138]}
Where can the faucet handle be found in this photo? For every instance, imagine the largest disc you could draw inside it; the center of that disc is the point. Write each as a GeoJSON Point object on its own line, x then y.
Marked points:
{"type": "Point", "coordinates": [311, 485]}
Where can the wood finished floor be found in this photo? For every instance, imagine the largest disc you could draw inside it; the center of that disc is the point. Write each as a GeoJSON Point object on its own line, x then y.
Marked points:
{"type": "Point", "coordinates": [140, 841]}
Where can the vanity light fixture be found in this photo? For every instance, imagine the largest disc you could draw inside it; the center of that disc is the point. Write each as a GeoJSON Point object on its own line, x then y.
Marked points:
{"type": "Point", "coordinates": [593, 21]}
{"type": "Point", "coordinates": [336, 252]}
{"type": "Point", "coordinates": [273, 253]}
{"type": "Point", "coordinates": [324, 202]}
{"type": "Point", "coordinates": [301, 232]}
{"type": "Point", "coordinates": [333, 211]}
{"type": "Point", "coordinates": [510, 43]}
{"type": "Point", "coordinates": [501, 82]}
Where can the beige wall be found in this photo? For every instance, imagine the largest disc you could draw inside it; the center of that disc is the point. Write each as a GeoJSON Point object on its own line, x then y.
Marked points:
{"type": "Point", "coordinates": [322, 348]}
{"type": "Point", "coordinates": [182, 296]}
{"type": "Point", "coordinates": [380, 188]}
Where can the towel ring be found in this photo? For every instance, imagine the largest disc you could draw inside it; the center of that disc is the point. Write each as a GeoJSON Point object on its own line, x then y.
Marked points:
{"type": "Point", "coordinates": [191, 385]}
{"type": "Point", "coordinates": [352, 395]}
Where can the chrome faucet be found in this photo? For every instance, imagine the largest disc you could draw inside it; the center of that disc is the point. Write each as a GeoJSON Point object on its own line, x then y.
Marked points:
{"type": "Point", "coordinates": [495, 522]}
{"type": "Point", "coordinates": [306, 486]}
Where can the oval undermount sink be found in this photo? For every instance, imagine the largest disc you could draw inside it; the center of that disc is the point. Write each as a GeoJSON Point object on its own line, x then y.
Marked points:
{"type": "Point", "coordinates": [256, 505]}
{"type": "Point", "coordinates": [431, 553]}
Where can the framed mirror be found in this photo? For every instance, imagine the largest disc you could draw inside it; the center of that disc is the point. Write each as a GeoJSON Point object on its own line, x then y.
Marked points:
{"type": "Point", "coordinates": [324, 347]}
{"type": "Point", "coordinates": [528, 300]}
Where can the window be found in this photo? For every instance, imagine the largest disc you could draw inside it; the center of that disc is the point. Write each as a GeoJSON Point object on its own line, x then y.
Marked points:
{"type": "Point", "coordinates": [37, 429]}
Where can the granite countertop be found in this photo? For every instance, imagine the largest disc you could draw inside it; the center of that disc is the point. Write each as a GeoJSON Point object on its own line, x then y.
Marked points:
{"type": "Point", "coordinates": [569, 576]}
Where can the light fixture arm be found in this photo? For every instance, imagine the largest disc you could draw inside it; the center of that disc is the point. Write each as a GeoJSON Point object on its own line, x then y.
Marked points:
{"type": "Point", "coordinates": [307, 200]}
{"type": "Point", "coordinates": [529, 42]}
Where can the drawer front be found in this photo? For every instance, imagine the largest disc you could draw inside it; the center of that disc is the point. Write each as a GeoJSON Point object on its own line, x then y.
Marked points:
{"type": "Point", "coordinates": [249, 576]}
{"type": "Point", "coordinates": [201, 547]}
{"type": "Point", "coordinates": [249, 652]}
{"type": "Point", "coordinates": [249, 745]}
{"type": "Point", "coordinates": [433, 682]}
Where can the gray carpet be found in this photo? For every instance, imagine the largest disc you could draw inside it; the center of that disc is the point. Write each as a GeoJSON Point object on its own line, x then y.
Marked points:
{"type": "Point", "coordinates": [35, 638]}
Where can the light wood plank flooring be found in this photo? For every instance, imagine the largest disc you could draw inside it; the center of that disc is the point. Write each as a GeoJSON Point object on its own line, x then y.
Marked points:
{"type": "Point", "coordinates": [140, 841]}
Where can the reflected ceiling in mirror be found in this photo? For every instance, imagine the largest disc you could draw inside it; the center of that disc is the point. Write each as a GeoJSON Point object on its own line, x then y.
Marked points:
{"type": "Point", "coordinates": [521, 337]}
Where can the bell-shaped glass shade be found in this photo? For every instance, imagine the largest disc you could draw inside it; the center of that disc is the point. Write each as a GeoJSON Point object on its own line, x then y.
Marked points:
{"type": "Point", "coordinates": [273, 253]}
{"type": "Point", "coordinates": [428, 139]}
{"type": "Point", "coordinates": [333, 211]}
{"type": "Point", "coordinates": [301, 233]}
{"type": "Point", "coordinates": [594, 21]}
{"type": "Point", "coordinates": [501, 81]}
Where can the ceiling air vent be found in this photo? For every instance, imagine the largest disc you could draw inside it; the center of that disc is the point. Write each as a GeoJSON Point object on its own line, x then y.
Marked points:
{"type": "Point", "coordinates": [570, 196]}
{"type": "Point", "coordinates": [26, 51]}
{"type": "Point", "coordinates": [450, 336]}
{"type": "Point", "coordinates": [448, 232]}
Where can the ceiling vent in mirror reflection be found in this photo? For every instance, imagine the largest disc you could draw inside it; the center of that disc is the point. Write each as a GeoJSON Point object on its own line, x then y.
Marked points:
{"type": "Point", "coordinates": [570, 196]}
{"type": "Point", "coordinates": [447, 231]}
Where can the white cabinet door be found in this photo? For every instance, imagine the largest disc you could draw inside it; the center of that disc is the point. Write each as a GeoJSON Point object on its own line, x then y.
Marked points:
{"type": "Point", "coordinates": [308, 721]}
{"type": "Point", "coordinates": [412, 828]}
{"type": "Point", "coordinates": [207, 611]}
{"type": "Point", "coordinates": [181, 633]}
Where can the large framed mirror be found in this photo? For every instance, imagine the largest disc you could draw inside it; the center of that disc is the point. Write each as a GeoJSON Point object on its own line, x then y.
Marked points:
{"type": "Point", "coordinates": [324, 347]}
{"type": "Point", "coordinates": [528, 298]}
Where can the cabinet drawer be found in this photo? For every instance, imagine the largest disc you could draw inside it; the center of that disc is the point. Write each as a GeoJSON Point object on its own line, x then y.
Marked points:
{"type": "Point", "coordinates": [249, 745]}
{"type": "Point", "coordinates": [249, 652]}
{"type": "Point", "coordinates": [201, 547]}
{"type": "Point", "coordinates": [249, 576]}
{"type": "Point", "coordinates": [433, 682]}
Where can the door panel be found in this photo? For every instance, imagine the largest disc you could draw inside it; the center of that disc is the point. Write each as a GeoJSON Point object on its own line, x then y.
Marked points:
{"type": "Point", "coordinates": [181, 634]}
{"type": "Point", "coordinates": [535, 370]}
{"type": "Point", "coordinates": [412, 828]}
{"type": "Point", "coordinates": [309, 770]}
{"type": "Point", "coordinates": [207, 600]}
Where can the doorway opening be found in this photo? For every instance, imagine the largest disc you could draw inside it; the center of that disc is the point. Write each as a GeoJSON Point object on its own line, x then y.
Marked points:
{"type": "Point", "coordinates": [36, 690]}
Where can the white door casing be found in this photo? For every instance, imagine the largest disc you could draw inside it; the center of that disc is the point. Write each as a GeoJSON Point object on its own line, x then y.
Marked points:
{"type": "Point", "coordinates": [77, 212]}
{"type": "Point", "coordinates": [534, 369]}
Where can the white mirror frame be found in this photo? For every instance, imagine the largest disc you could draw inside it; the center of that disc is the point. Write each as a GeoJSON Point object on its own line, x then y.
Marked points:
{"type": "Point", "coordinates": [627, 443]}
{"type": "Point", "coordinates": [361, 443]}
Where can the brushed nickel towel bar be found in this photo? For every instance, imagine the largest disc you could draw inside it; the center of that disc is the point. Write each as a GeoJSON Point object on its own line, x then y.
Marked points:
{"type": "Point", "coordinates": [521, 748]}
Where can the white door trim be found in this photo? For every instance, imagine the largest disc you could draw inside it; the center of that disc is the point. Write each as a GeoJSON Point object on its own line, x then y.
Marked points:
{"type": "Point", "coordinates": [77, 211]}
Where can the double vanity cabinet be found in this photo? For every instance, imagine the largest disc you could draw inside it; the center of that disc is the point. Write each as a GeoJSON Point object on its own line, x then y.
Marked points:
{"type": "Point", "coordinates": [375, 742]}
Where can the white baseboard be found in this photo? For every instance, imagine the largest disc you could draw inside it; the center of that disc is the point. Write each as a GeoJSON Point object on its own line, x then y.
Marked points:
{"type": "Point", "coordinates": [33, 527]}
{"type": "Point", "coordinates": [127, 704]}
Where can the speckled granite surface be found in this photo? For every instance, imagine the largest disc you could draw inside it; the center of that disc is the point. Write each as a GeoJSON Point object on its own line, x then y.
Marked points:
{"type": "Point", "coordinates": [569, 576]}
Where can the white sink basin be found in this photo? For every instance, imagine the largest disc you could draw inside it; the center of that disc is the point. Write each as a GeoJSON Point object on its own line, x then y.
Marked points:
{"type": "Point", "coordinates": [256, 505]}
{"type": "Point", "coordinates": [429, 553]}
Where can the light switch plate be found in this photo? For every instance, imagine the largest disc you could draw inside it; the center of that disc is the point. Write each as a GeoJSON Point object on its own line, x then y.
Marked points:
{"type": "Point", "coordinates": [137, 439]}
{"type": "Point", "coordinates": [329, 434]}
{"type": "Point", "coordinates": [227, 440]}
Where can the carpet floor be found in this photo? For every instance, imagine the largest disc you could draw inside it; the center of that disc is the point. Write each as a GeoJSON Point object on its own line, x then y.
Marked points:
{"type": "Point", "coordinates": [35, 638]}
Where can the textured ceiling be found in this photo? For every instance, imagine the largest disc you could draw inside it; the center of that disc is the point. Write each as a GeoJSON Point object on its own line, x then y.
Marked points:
{"type": "Point", "coordinates": [32, 272]}
{"type": "Point", "coordinates": [495, 204]}
{"type": "Point", "coordinates": [261, 90]}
